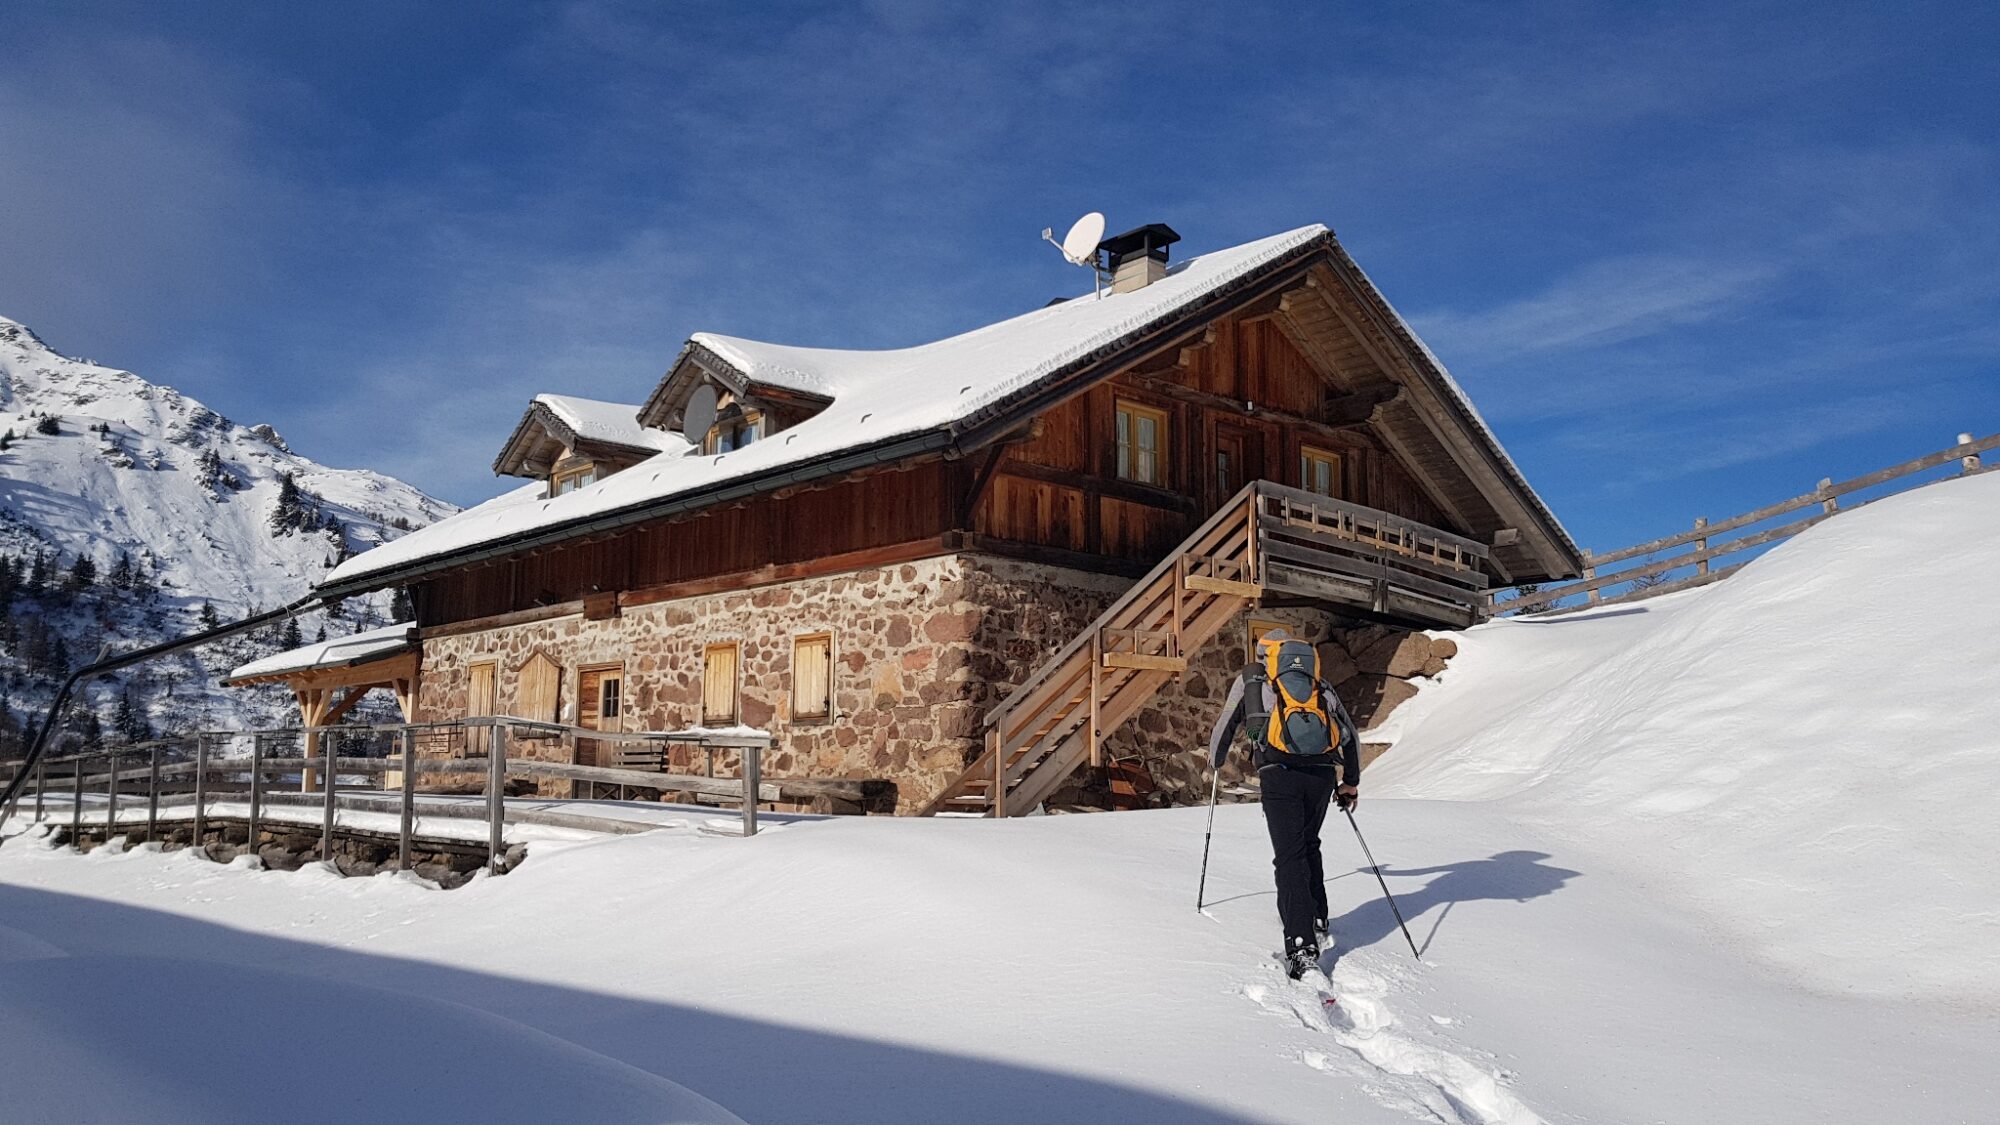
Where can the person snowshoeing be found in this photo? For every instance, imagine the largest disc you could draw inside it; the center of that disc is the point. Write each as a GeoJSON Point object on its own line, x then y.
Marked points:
{"type": "Point", "coordinates": [1307, 754]}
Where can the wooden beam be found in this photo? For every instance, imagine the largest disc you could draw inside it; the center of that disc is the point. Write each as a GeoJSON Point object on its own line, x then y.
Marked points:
{"type": "Point", "coordinates": [1175, 664]}
{"type": "Point", "coordinates": [1233, 588]}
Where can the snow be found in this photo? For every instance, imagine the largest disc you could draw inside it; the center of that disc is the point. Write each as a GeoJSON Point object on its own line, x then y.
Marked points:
{"type": "Point", "coordinates": [877, 395]}
{"type": "Point", "coordinates": [141, 489]}
{"type": "Point", "coordinates": [353, 649]}
{"type": "Point", "coordinates": [1721, 858]}
{"type": "Point", "coordinates": [1791, 751]}
{"type": "Point", "coordinates": [614, 422]}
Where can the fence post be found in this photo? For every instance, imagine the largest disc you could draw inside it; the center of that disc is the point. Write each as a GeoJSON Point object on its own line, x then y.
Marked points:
{"type": "Point", "coordinates": [153, 797]}
{"type": "Point", "coordinates": [256, 789]}
{"type": "Point", "coordinates": [329, 787]}
{"type": "Point", "coordinates": [1701, 545]}
{"type": "Point", "coordinates": [200, 788]}
{"type": "Point", "coordinates": [753, 776]}
{"type": "Point", "coordinates": [1593, 595]}
{"type": "Point", "coordinates": [496, 799]}
{"type": "Point", "coordinates": [111, 795]}
{"type": "Point", "coordinates": [1828, 502]}
{"type": "Point", "coordinates": [76, 806]}
{"type": "Point", "coordinates": [409, 798]}
{"type": "Point", "coordinates": [1969, 464]}
{"type": "Point", "coordinates": [41, 783]}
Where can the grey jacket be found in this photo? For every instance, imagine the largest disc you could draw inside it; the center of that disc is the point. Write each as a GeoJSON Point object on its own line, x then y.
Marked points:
{"type": "Point", "coordinates": [1231, 719]}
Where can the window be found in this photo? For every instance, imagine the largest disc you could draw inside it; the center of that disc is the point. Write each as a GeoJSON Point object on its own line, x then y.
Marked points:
{"type": "Point", "coordinates": [1142, 443]}
{"type": "Point", "coordinates": [573, 479]}
{"type": "Point", "coordinates": [812, 677]}
{"type": "Point", "coordinates": [610, 697]}
{"type": "Point", "coordinates": [736, 432]}
{"type": "Point", "coordinates": [1319, 471]}
{"type": "Point", "coordinates": [1258, 627]}
{"type": "Point", "coordinates": [718, 685]}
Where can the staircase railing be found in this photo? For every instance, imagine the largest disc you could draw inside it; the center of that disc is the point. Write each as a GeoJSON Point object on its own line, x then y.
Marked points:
{"type": "Point", "coordinates": [1268, 537]}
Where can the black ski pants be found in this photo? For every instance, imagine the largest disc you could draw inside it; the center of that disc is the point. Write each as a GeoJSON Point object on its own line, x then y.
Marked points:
{"type": "Point", "coordinates": [1295, 801]}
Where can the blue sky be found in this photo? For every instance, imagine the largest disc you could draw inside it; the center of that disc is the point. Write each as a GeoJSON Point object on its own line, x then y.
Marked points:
{"type": "Point", "coordinates": [1686, 257]}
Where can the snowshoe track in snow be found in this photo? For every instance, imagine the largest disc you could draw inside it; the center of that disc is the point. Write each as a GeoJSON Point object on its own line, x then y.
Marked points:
{"type": "Point", "coordinates": [1423, 1079]}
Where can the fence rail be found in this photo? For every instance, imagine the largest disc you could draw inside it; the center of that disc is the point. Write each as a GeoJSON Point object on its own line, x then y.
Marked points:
{"type": "Point", "coordinates": [1697, 548]}
{"type": "Point", "coordinates": [186, 771]}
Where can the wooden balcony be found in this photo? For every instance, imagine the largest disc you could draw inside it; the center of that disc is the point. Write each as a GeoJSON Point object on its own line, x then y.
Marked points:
{"type": "Point", "coordinates": [1269, 539]}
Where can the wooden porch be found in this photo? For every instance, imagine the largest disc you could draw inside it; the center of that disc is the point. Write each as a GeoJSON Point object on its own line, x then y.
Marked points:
{"type": "Point", "coordinates": [1269, 540]}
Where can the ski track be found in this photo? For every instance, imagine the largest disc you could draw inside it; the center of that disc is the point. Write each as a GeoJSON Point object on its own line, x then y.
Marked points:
{"type": "Point", "coordinates": [1425, 1080]}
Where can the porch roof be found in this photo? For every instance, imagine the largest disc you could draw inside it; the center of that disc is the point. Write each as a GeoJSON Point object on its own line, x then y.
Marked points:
{"type": "Point", "coordinates": [369, 647]}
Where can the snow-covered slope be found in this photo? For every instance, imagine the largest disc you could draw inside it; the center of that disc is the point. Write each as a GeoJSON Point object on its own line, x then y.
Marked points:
{"type": "Point", "coordinates": [189, 497]}
{"type": "Point", "coordinates": [1719, 859]}
{"type": "Point", "coordinates": [1809, 751]}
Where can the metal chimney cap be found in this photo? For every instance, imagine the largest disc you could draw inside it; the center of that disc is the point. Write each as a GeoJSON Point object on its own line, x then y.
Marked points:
{"type": "Point", "coordinates": [1149, 241]}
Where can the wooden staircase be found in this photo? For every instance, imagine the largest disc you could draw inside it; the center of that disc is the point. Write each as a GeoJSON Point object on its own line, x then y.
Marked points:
{"type": "Point", "coordinates": [1325, 549]}
{"type": "Point", "coordinates": [1058, 719]}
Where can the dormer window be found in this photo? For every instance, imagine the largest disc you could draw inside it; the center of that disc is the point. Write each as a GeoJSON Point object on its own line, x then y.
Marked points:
{"type": "Point", "coordinates": [734, 430]}
{"type": "Point", "coordinates": [569, 480]}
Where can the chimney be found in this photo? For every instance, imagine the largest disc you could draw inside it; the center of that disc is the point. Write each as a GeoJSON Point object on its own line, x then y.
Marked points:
{"type": "Point", "coordinates": [1139, 256]}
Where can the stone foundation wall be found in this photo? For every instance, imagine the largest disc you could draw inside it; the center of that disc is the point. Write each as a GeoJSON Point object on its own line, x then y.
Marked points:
{"type": "Point", "coordinates": [921, 652]}
{"type": "Point", "coordinates": [904, 686]}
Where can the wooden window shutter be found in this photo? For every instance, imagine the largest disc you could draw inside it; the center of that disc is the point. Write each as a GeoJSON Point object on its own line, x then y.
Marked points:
{"type": "Point", "coordinates": [812, 677]}
{"type": "Point", "coordinates": [718, 685]}
{"type": "Point", "coordinates": [541, 685]}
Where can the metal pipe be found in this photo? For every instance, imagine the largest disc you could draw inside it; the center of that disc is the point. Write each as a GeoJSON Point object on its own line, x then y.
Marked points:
{"type": "Point", "coordinates": [753, 771]}
{"type": "Point", "coordinates": [409, 799]}
{"type": "Point", "coordinates": [329, 786]}
{"type": "Point", "coordinates": [496, 798]}
{"type": "Point", "coordinates": [200, 787]}
{"type": "Point", "coordinates": [256, 789]}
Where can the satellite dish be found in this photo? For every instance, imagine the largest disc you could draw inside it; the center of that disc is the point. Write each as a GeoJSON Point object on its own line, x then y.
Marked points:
{"type": "Point", "coordinates": [1080, 244]}
{"type": "Point", "coordinates": [699, 414]}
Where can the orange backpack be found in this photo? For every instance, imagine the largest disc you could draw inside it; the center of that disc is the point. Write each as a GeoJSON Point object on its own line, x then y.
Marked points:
{"type": "Point", "coordinates": [1301, 721]}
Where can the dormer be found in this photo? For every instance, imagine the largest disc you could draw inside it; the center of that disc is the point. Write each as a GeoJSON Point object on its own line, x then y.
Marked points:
{"type": "Point", "coordinates": [574, 442]}
{"type": "Point", "coordinates": [751, 403]}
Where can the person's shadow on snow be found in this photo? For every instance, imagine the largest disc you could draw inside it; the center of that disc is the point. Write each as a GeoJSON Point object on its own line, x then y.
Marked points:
{"type": "Point", "coordinates": [1516, 875]}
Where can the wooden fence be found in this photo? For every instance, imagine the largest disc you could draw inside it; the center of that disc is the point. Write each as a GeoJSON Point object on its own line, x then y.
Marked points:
{"type": "Point", "coordinates": [191, 772]}
{"type": "Point", "coordinates": [1649, 569]}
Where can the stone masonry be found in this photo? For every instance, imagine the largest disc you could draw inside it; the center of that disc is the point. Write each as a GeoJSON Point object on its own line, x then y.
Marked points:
{"type": "Point", "coordinates": [920, 652]}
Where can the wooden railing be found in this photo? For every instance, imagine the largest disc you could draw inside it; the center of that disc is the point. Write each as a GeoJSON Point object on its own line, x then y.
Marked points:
{"type": "Point", "coordinates": [1266, 538]}
{"type": "Point", "coordinates": [1648, 569]}
{"type": "Point", "coordinates": [190, 772]}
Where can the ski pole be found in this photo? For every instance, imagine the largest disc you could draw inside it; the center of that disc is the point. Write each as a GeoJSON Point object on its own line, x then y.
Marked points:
{"type": "Point", "coordinates": [1201, 892]}
{"type": "Point", "coordinates": [1385, 886]}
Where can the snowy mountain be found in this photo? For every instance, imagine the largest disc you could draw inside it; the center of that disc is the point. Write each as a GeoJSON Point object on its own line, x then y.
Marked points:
{"type": "Point", "coordinates": [181, 515]}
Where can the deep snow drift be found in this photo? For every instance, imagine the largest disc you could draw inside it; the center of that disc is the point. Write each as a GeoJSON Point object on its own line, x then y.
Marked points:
{"type": "Point", "coordinates": [1808, 751]}
{"type": "Point", "coordinates": [1611, 933]}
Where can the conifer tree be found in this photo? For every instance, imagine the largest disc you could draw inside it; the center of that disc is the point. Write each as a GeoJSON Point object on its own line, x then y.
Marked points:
{"type": "Point", "coordinates": [49, 424]}
{"type": "Point", "coordinates": [209, 618]}
{"type": "Point", "coordinates": [83, 575]}
{"type": "Point", "coordinates": [290, 637]}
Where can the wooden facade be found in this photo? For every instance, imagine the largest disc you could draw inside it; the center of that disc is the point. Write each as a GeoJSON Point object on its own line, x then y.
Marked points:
{"type": "Point", "coordinates": [1240, 405]}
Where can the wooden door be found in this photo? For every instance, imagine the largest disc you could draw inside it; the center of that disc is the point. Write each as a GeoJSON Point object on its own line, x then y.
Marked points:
{"type": "Point", "coordinates": [600, 705]}
{"type": "Point", "coordinates": [1236, 460]}
{"type": "Point", "coordinates": [481, 694]}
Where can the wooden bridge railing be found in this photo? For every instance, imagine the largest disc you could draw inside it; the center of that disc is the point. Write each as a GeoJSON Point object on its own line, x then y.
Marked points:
{"type": "Point", "coordinates": [189, 770]}
{"type": "Point", "coordinates": [1697, 549]}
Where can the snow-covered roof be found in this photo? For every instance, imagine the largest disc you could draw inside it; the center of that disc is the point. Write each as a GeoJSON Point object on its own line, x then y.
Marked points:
{"type": "Point", "coordinates": [614, 422]}
{"type": "Point", "coordinates": [877, 396]}
{"type": "Point", "coordinates": [341, 652]}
